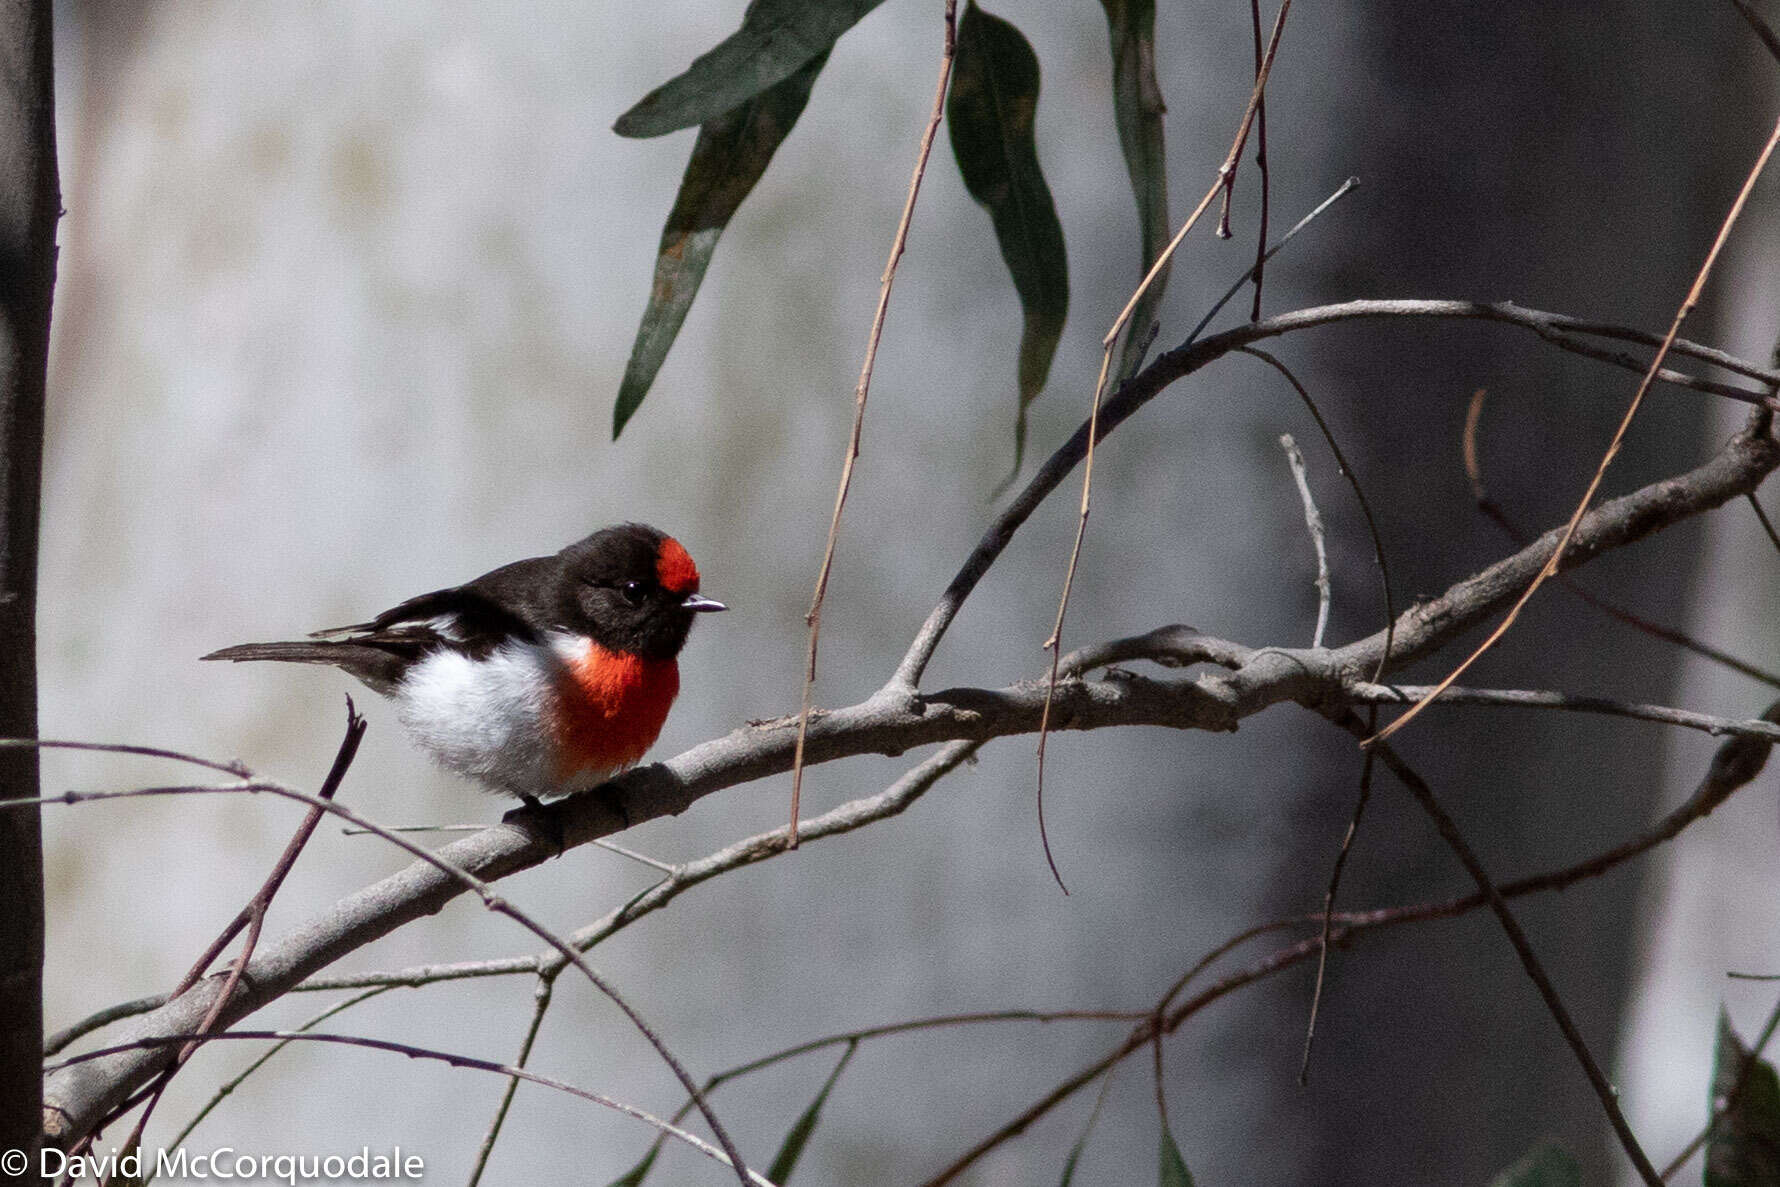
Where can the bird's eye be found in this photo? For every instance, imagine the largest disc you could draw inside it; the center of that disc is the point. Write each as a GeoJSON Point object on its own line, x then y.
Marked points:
{"type": "Point", "coordinates": [632, 592]}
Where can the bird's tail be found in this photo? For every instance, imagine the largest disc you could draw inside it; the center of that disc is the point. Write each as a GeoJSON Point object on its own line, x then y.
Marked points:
{"type": "Point", "coordinates": [377, 667]}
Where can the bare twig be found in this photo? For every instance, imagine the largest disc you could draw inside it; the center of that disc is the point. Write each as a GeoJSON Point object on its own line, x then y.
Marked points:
{"type": "Point", "coordinates": [1341, 191]}
{"type": "Point", "coordinates": [1722, 1107]}
{"type": "Point", "coordinates": [1449, 832]}
{"type": "Point", "coordinates": [228, 1086]}
{"type": "Point", "coordinates": [448, 1057]}
{"type": "Point", "coordinates": [1736, 763]}
{"type": "Point", "coordinates": [1195, 354]}
{"type": "Point", "coordinates": [814, 617]}
{"type": "Point", "coordinates": [1365, 787]}
{"type": "Point", "coordinates": [253, 918]}
{"type": "Point", "coordinates": [1494, 511]}
{"type": "Point", "coordinates": [235, 767]}
{"type": "Point", "coordinates": [1551, 565]}
{"type": "Point", "coordinates": [1261, 252]}
{"type": "Point", "coordinates": [1226, 173]}
{"type": "Point", "coordinates": [1313, 524]}
{"type": "Point", "coordinates": [1762, 29]}
{"type": "Point", "coordinates": [233, 1008]}
{"type": "Point", "coordinates": [1766, 525]}
{"type": "Point", "coordinates": [540, 1006]}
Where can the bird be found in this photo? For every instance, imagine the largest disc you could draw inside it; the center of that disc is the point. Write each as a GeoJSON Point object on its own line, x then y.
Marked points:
{"type": "Point", "coordinates": [539, 679]}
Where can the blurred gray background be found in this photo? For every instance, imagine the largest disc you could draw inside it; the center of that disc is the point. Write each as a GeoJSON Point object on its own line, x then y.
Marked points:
{"type": "Point", "coordinates": [345, 294]}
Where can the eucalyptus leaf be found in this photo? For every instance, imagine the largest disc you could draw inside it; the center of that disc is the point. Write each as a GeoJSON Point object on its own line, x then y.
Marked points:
{"type": "Point", "coordinates": [777, 39]}
{"type": "Point", "coordinates": [634, 1176]}
{"type": "Point", "coordinates": [1545, 1165]}
{"type": "Point", "coordinates": [791, 1149]}
{"type": "Point", "coordinates": [728, 158]}
{"type": "Point", "coordinates": [990, 114]}
{"type": "Point", "coordinates": [1138, 111]}
{"type": "Point", "coordinates": [1744, 1147]}
{"type": "Point", "coordinates": [1174, 1167]}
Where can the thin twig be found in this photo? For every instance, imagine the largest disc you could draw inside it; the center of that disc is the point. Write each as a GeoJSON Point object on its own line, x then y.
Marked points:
{"type": "Point", "coordinates": [1196, 354]}
{"type": "Point", "coordinates": [1449, 832]}
{"type": "Point", "coordinates": [412, 1052]}
{"type": "Point", "coordinates": [233, 767]}
{"type": "Point", "coordinates": [1722, 1108]}
{"type": "Point", "coordinates": [1761, 27]}
{"type": "Point", "coordinates": [482, 889]}
{"type": "Point", "coordinates": [1766, 524]}
{"type": "Point", "coordinates": [1735, 765]}
{"type": "Point", "coordinates": [1054, 643]}
{"type": "Point", "coordinates": [228, 1086]}
{"type": "Point", "coordinates": [1341, 191]}
{"type": "Point", "coordinates": [253, 918]}
{"type": "Point", "coordinates": [1364, 795]}
{"type": "Point", "coordinates": [1313, 524]}
{"type": "Point", "coordinates": [1495, 513]}
{"type": "Point", "coordinates": [1261, 253]}
{"type": "Point", "coordinates": [813, 619]}
{"type": "Point", "coordinates": [540, 1006]}
{"type": "Point", "coordinates": [1613, 447]}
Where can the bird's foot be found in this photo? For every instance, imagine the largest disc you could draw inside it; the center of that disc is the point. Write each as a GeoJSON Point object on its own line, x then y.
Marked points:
{"type": "Point", "coordinates": [545, 820]}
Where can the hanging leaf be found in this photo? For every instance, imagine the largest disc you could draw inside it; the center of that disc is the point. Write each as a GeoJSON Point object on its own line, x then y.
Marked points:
{"type": "Point", "coordinates": [1138, 110]}
{"type": "Point", "coordinates": [777, 39]}
{"type": "Point", "coordinates": [1744, 1149]}
{"type": "Point", "coordinates": [730, 154]}
{"type": "Point", "coordinates": [785, 1161]}
{"type": "Point", "coordinates": [989, 114]}
{"type": "Point", "coordinates": [1081, 1143]}
{"type": "Point", "coordinates": [1545, 1165]}
{"type": "Point", "coordinates": [634, 1176]}
{"type": "Point", "coordinates": [1174, 1167]}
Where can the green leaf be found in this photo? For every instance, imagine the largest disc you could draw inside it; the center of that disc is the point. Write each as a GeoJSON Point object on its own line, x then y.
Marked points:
{"type": "Point", "coordinates": [1081, 1143]}
{"type": "Point", "coordinates": [1545, 1165]}
{"type": "Point", "coordinates": [730, 154]}
{"type": "Point", "coordinates": [1137, 110]}
{"type": "Point", "coordinates": [634, 1176]}
{"type": "Point", "coordinates": [1174, 1167]}
{"type": "Point", "coordinates": [785, 1161]}
{"type": "Point", "coordinates": [1744, 1149]}
{"type": "Point", "coordinates": [990, 116]}
{"type": "Point", "coordinates": [777, 39]}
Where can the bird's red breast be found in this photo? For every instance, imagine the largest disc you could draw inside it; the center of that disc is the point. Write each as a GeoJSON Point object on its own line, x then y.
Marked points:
{"type": "Point", "coordinates": [611, 705]}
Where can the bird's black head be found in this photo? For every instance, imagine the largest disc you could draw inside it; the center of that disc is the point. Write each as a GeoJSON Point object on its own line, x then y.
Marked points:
{"type": "Point", "coordinates": [632, 588]}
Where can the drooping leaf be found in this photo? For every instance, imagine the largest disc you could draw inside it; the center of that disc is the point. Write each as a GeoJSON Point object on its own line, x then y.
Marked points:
{"type": "Point", "coordinates": [730, 154]}
{"type": "Point", "coordinates": [990, 114]}
{"type": "Point", "coordinates": [1744, 1148]}
{"type": "Point", "coordinates": [777, 39]}
{"type": "Point", "coordinates": [791, 1149]}
{"type": "Point", "coordinates": [1174, 1167]}
{"type": "Point", "coordinates": [1545, 1165]}
{"type": "Point", "coordinates": [1138, 110]}
{"type": "Point", "coordinates": [634, 1176]}
{"type": "Point", "coordinates": [1081, 1143]}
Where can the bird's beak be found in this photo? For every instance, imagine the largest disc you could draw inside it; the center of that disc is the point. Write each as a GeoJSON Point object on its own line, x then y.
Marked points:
{"type": "Point", "coordinates": [695, 603]}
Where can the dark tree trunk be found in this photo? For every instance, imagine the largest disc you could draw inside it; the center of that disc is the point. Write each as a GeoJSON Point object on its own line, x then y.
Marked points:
{"type": "Point", "coordinates": [29, 207]}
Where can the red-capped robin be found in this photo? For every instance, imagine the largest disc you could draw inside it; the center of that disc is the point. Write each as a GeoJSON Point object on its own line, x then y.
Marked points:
{"type": "Point", "coordinates": [541, 678]}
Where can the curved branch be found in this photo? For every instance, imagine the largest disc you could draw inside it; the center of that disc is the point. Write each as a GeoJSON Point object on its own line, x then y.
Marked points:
{"type": "Point", "coordinates": [1184, 360]}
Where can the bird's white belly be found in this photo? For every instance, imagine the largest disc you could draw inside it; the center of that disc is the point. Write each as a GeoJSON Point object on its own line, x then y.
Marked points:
{"type": "Point", "coordinates": [488, 719]}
